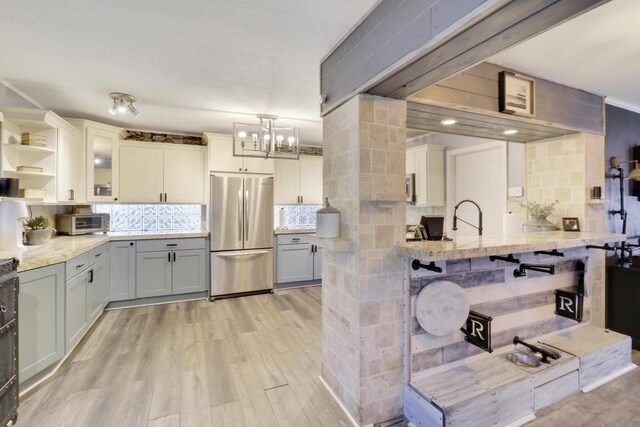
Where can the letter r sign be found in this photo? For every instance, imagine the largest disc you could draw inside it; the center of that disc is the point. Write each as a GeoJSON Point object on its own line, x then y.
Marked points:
{"type": "Point", "coordinates": [569, 305]}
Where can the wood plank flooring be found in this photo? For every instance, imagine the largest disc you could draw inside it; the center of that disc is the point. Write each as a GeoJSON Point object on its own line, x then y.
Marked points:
{"type": "Point", "coordinates": [251, 361]}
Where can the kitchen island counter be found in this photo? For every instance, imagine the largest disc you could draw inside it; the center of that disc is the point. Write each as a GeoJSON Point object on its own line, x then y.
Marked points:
{"type": "Point", "coordinates": [63, 248]}
{"type": "Point", "coordinates": [481, 246]}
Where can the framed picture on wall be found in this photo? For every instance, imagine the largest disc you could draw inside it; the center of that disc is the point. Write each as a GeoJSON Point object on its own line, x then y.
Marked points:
{"type": "Point", "coordinates": [570, 224]}
{"type": "Point", "coordinates": [517, 94]}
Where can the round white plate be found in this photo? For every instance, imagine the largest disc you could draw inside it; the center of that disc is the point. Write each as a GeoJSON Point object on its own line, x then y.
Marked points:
{"type": "Point", "coordinates": [442, 308]}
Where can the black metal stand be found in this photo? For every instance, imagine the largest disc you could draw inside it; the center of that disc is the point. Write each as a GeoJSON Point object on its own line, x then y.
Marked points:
{"type": "Point", "coordinates": [417, 265]}
{"type": "Point", "coordinates": [622, 212]}
{"type": "Point", "coordinates": [509, 258]}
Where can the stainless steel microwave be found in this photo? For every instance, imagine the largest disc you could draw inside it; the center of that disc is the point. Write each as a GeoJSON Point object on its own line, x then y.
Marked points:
{"type": "Point", "coordinates": [74, 224]}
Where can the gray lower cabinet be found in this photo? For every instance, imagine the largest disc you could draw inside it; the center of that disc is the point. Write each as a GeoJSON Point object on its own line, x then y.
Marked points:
{"type": "Point", "coordinates": [84, 292]}
{"type": "Point", "coordinates": [96, 289]}
{"type": "Point", "coordinates": [76, 313]}
{"type": "Point", "coordinates": [294, 263]}
{"type": "Point", "coordinates": [153, 274]}
{"type": "Point", "coordinates": [41, 321]}
{"type": "Point", "coordinates": [170, 267]}
{"type": "Point", "coordinates": [122, 270]}
{"type": "Point", "coordinates": [297, 260]}
{"type": "Point", "coordinates": [188, 271]}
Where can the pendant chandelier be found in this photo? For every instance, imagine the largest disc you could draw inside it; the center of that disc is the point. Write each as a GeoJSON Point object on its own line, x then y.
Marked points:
{"type": "Point", "coordinates": [265, 140]}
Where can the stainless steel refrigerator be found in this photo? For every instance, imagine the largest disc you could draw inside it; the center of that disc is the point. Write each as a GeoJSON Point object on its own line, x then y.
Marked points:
{"type": "Point", "coordinates": [241, 227]}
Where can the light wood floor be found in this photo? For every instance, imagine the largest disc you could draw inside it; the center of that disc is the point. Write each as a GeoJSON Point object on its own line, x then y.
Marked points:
{"type": "Point", "coordinates": [251, 361]}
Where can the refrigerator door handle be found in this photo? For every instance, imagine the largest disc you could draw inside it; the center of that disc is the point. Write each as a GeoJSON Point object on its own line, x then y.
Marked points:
{"type": "Point", "coordinates": [246, 215]}
{"type": "Point", "coordinates": [235, 255]}
{"type": "Point", "coordinates": [240, 215]}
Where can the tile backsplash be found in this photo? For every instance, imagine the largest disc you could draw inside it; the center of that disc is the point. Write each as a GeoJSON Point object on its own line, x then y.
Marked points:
{"type": "Point", "coordinates": [296, 215]}
{"type": "Point", "coordinates": [152, 217]}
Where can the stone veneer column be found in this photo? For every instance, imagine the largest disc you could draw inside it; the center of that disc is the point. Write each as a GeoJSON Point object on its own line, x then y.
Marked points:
{"type": "Point", "coordinates": [364, 153]}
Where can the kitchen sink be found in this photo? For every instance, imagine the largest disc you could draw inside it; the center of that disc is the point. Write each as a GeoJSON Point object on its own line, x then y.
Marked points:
{"type": "Point", "coordinates": [524, 359]}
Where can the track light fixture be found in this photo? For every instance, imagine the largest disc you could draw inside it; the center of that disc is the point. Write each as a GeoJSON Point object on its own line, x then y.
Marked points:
{"type": "Point", "coordinates": [123, 102]}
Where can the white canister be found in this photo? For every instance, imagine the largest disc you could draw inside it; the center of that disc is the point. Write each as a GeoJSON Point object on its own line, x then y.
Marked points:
{"type": "Point", "coordinates": [327, 221]}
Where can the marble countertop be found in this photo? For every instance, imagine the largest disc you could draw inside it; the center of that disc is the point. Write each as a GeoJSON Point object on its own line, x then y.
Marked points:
{"type": "Point", "coordinates": [473, 247]}
{"type": "Point", "coordinates": [295, 230]}
{"type": "Point", "coordinates": [63, 248]}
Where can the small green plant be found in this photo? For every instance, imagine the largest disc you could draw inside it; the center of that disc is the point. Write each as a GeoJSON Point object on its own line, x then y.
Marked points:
{"type": "Point", "coordinates": [38, 223]}
{"type": "Point", "coordinates": [536, 209]}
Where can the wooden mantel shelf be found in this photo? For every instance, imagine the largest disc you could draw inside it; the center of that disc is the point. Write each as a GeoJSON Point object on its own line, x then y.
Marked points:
{"type": "Point", "coordinates": [338, 244]}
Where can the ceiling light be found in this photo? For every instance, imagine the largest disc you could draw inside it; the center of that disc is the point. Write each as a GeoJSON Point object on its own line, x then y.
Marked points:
{"type": "Point", "coordinates": [97, 161]}
{"type": "Point", "coordinates": [448, 122]}
{"type": "Point", "coordinates": [267, 139]}
{"type": "Point", "coordinates": [123, 102]}
{"type": "Point", "coordinates": [510, 132]}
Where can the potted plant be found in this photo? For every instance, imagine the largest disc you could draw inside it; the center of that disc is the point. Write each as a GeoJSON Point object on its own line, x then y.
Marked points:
{"type": "Point", "coordinates": [538, 212]}
{"type": "Point", "coordinates": [39, 230]}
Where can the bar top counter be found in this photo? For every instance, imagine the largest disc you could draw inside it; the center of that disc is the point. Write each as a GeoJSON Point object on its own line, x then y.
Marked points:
{"type": "Point", "coordinates": [481, 246]}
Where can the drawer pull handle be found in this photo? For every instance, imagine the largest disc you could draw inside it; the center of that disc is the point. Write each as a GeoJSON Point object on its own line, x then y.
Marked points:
{"type": "Point", "coordinates": [97, 255]}
{"type": "Point", "coordinates": [3, 309]}
{"type": "Point", "coordinates": [172, 244]}
{"type": "Point", "coordinates": [80, 265]}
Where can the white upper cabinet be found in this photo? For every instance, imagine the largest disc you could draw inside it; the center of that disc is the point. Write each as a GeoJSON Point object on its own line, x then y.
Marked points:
{"type": "Point", "coordinates": [70, 176]}
{"type": "Point", "coordinates": [311, 180]}
{"type": "Point", "coordinates": [286, 182]}
{"type": "Point", "coordinates": [427, 162]}
{"type": "Point", "coordinates": [298, 182]}
{"type": "Point", "coordinates": [184, 175]}
{"type": "Point", "coordinates": [161, 173]}
{"type": "Point", "coordinates": [221, 158]}
{"type": "Point", "coordinates": [141, 173]}
{"type": "Point", "coordinates": [102, 145]}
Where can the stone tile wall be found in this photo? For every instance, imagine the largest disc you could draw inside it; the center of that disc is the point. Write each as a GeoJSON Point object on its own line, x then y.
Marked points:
{"type": "Point", "coordinates": [364, 153]}
{"type": "Point", "coordinates": [565, 169]}
{"type": "Point", "coordinates": [556, 172]}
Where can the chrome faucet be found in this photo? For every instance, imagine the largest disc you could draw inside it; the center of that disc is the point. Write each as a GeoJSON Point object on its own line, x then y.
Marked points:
{"type": "Point", "coordinates": [455, 217]}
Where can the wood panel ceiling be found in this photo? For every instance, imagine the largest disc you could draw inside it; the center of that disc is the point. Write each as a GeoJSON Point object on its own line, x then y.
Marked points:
{"type": "Point", "coordinates": [427, 117]}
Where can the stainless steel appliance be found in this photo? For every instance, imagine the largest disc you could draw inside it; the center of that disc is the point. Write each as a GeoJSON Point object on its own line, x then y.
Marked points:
{"type": "Point", "coordinates": [241, 227]}
{"type": "Point", "coordinates": [74, 224]}
{"type": "Point", "coordinates": [410, 187]}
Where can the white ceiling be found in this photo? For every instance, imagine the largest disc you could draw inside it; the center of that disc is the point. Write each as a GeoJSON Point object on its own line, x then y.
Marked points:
{"type": "Point", "coordinates": [195, 65]}
{"type": "Point", "coordinates": [598, 52]}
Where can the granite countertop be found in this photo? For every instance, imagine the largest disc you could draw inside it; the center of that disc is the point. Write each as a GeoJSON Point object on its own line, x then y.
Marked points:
{"type": "Point", "coordinates": [295, 230]}
{"type": "Point", "coordinates": [63, 248]}
{"type": "Point", "coordinates": [473, 247]}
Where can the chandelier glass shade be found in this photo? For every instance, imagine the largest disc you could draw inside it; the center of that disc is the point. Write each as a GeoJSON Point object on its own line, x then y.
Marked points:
{"type": "Point", "coordinates": [265, 140]}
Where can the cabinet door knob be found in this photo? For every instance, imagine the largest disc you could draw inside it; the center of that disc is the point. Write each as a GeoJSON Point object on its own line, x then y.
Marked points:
{"type": "Point", "coordinates": [174, 257]}
{"type": "Point", "coordinates": [160, 196]}
{"type": "Point", "coordinates": [115, 198]}
{"type": "Point", "coordinates": [131, 244]}
{"type": "Point", "coordinates": [169, 256]}
{"type": "Point", "coordinates": [3, 309]}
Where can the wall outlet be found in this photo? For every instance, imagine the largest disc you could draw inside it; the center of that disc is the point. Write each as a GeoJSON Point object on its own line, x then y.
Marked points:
{"type": "Point", "coordinates": [516, 192]}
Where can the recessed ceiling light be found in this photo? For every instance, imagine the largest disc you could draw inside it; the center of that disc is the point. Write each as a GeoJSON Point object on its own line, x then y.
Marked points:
{"type": "Point", "coordinates": [448, 122]}
{"type": "Point", "coordinates": [510, 132]}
